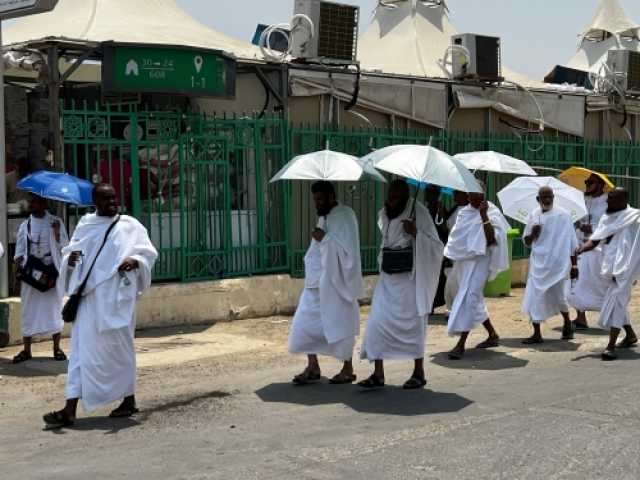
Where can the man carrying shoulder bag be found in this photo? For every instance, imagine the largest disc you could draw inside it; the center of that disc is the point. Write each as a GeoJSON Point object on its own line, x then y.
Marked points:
{"type": "Point", "coordinates": [38, 257]}
{"type": "Point", "coordinates": [107, 266]}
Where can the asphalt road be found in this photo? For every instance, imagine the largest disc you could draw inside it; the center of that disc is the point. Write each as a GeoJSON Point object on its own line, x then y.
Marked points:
{"type": "Point", "coordinates": [217, 404]}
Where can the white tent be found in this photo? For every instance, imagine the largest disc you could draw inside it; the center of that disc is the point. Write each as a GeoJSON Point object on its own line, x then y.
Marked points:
{"type": "Point", "coordinates": [611, 29]}
{"type": "Point", "coordinates": [411, 39]}
{"type": "Point", "coordinates": [138, 21]}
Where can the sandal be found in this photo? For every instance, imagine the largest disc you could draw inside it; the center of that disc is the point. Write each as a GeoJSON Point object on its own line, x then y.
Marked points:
{"type": "Point", "coordinates": [59, 356]}
{"type": "Point", "coordinates": [306, 378]}
{"type": "Point", "coordinates": [455, 354]}
{"type": "Point", "coordinates": [609, 355]}
{"type": "Point", "coordinates": [22, 357]}
{"type": "Point", "coordinates": [626, 343]}
{"type": "Point", "coordinates": [124, 412]}
{"type": "Point", "coordinates": [342, 379]}
{"type": "Point", "coordinates": [415, 383]}
{"type": "Point", "coordinates": [489, 343]}
{"type": "Point", "coordinates": [371, 383]}
{"type": "Point", "coordinates": [57, 419]}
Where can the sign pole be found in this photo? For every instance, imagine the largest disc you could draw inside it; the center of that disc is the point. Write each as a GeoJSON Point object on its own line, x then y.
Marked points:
{"type": "Point", "coordinates": [4, 262]}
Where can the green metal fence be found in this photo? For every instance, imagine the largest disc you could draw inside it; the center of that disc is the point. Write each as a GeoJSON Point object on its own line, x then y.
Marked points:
{"type": "Point", "coordinates": [201, 184]}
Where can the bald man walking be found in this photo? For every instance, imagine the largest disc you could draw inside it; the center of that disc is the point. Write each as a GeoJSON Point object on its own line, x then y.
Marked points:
{"type": "Point", "coordinates": [551, 236]}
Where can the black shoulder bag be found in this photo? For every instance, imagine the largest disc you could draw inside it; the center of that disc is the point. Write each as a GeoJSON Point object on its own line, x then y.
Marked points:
{"type": "Point", "coordinates": [35, 272]}
{"type": "Point", "coordinates": [398, 260]}
{"type": "Point", "coordinates": [70, 309]}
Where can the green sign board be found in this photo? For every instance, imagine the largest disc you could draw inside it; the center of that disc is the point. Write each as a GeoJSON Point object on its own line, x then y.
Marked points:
{"type": "Point", "coordinates": [142, 68]}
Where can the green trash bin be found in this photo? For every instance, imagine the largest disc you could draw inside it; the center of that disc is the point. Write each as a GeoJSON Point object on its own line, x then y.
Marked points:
{"type": "Point", "coordinates": [501, 286]}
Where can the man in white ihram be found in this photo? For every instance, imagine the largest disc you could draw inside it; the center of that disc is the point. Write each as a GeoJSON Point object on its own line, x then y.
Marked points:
{"type": "Point", "coordinates": [327, 320]}
{"type": "Point", "coordinates": [102, 365]}
{"type": "Point", "coordinates": [618, 234]}
{"type": "Point", "coordinates": [552, 238]}
{"type": "Point", "coordinates": [587, 294]}
{"type": "Point", "coordinates": [478, 247]}
{"type": "Point", "coordinates": [42, 236]}
{"type": "Point", "coordinates": [404, 295]}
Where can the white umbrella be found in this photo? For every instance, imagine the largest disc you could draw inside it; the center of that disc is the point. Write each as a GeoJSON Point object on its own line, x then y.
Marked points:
{"type": "Point", "coordinates": [424, 164]}
{"type": "Point", "coordinates": [327, 165]}
{"type": "Point", "coordinates": [518, 199]}
{"type": "Point", "coordinates": [495, 162]}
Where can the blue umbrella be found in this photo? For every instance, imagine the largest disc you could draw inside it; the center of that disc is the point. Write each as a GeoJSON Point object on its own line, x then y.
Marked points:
{"type": "Point", "coordinates": [423, 186]}
{"type": "Point", "coordinates": [58, 186]}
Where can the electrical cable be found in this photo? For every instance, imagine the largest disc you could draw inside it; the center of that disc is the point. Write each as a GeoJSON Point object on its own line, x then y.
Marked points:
{"type": "Point", "coordinates": [356, 90]}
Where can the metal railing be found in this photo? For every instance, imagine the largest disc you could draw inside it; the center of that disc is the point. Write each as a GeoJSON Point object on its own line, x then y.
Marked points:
{"type": "Point", "coordinates": [201, 184]}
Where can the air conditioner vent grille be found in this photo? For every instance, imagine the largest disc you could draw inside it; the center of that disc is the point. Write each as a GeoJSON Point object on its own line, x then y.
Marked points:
{"type": "Point", "coordinates": [338, 32]}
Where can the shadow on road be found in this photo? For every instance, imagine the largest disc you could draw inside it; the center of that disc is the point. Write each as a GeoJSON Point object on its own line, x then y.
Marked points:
{"type": "Point", "coordinates": [36, 367]}
{"type": "Point", "coordinates": [478, 359]}
{"type": "Point", "coordinates": [390, 400]}
{"type": "Point", "coordinates": [115, 425]}
{"type": "Point", "coordinates": [549, 345]}
{"type": "Point", "coordinates": [173, 331]}
{"type": "Point", "coordinates": [624, 354]}
{"type": "Point", "coordinates": [591, 331]}
{"type": "Point", "coordinates": [438, 319]}
{"type": "Point", "coordinates": [109, 426]}
{"type": "Point", "coordinates": [180, 403]}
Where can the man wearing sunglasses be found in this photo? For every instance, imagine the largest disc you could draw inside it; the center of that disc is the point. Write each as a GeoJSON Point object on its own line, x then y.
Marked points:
{"type": "Point", "coordinates": [589, 290]}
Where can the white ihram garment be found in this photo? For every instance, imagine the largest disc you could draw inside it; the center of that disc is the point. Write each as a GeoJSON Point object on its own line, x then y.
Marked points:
{"type": "Point", "coordinates": [621, 264]}
{"type": "Point", "coordinates": [587, 294]}
{"type": "Point", "coordinates": [41, 311]}
{"type": "Point", "coordinates": [474, 264]}
{"type": "Point", "coordinates": [549, 264]}
{"type": "Point", "coordinates": [327, 320]}
{"type": "Point", "coordinates": [451, 285]}
{"type": "Point", "coordinates": [401, 302]}
{"type": "Point", "coordinates": [102, 365]}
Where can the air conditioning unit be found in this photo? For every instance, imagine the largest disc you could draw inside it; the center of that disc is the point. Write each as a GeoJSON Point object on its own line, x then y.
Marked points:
{"type": "Point", "coordinates": [484, 61]}
{"type": "Point", "coordinates": [625, 66]}
{"type": "Point", "coordinates": [336, 31]}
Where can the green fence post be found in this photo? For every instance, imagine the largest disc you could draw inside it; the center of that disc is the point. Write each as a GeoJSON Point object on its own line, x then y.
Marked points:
{"type": "Point", "coordinates": [258, 146]}
{"type": "Point", "coordinates": [135, 168]}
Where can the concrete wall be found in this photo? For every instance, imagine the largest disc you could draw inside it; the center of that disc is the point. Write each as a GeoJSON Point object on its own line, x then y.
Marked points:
{"type": "Point", "coordinates": [170, 305]}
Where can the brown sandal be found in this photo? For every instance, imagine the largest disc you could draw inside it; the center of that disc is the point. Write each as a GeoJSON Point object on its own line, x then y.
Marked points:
{"type": "Point", "coordinates": [22, 357]}
{"type": "Point", "coordinates": [343, 379]}
{"type": "Point", "coordinates": [59, 356]}
{"type": "Point", "coordinates": [306, 378]}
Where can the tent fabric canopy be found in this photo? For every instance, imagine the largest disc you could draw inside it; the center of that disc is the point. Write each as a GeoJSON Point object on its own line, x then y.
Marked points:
{"type": "Point", "coordinates": [610, 18]}
{"type": "Point", "coordinates": [611, 29]}
{"type": "Point", "coordinates": [411, 39]}
{"type": "Point", "coordinates": [135, 21]}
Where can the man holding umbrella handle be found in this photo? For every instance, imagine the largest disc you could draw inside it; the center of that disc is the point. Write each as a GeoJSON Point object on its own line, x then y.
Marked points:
{"type": "Point", "coordinates": [39, 244]}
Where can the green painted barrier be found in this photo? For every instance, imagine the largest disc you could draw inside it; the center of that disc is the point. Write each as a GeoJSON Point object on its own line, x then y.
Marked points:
{"type": "Point", "coordinates": [501, 286]}
{"type": "Point", "coordinates": [4, 325]}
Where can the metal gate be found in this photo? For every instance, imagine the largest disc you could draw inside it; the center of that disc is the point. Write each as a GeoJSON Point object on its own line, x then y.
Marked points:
{"type": "Point", "coordinates": [205, 208]}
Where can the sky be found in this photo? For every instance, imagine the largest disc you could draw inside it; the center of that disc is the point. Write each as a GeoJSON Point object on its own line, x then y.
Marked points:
{"type": "Point", "coordinates": [536, 34]}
